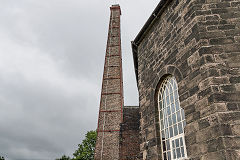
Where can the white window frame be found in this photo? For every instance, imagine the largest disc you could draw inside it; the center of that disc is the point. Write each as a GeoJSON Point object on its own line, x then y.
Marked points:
{"type": "Point", "coordinates": [168, 102]}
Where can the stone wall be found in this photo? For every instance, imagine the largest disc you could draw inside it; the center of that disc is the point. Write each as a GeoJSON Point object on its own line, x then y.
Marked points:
{"type": "Point", "coordinates": [197, 41]}
{"type": "Point", "coordinates": [129, 134]}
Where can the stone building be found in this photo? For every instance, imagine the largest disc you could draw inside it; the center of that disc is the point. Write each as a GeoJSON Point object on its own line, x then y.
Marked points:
{"type": "Point", "coordinates": [187, 65]}
{"type": "Point", "coordinates": [187, 59]}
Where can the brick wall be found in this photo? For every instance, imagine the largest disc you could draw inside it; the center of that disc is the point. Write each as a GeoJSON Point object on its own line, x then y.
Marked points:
{"type": "Point", "coordinates": [129, 135]}
{"type": "Point", "coordinates": [197, 41]}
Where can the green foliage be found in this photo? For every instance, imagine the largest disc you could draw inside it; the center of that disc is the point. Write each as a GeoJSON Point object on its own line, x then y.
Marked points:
{"type": "Point", "coordinates": [2, 158]}
{"type": "Point", "coordinates": [64, 158]}
{"type": "Point", "coordinates": [85, 150]}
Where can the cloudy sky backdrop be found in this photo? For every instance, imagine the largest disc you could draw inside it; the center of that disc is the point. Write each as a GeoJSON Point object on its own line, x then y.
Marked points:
{"type": "Point", "coordinates": [51, 64]}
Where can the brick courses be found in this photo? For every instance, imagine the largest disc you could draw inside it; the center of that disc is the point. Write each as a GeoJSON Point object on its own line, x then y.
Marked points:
{"type": "Point", "coordinates": [111, 104]}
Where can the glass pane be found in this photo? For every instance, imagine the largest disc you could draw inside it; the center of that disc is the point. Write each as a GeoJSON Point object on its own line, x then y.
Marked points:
{"type": "Point", "coordinates": [173, 107]}
{"type": "Point", "coordinates": [181, 141]}
{"type": "Point", "coordinates": [178, 116]}
{"type": "Point", "coordinates": [166, 122]}
{"type": "Point", "coordinates": [160, 105]}
{"type": "Point", "coordinates": [177, 143]}
{"type": "Point", "coordinates": [178, 153]}
{"type": "Point", "coordinates": [171, 132]}
{"type": "Point", "coordinates": [168, 145]}
{"type": "Point", "coordinates": [175, 86]}
{"type": "Point", "coordinates": [180, 128]}
{"type": "Point", "coordinates": [175, 130]}
{"type": "Point", "coordinates": [167, 134]}
{"type": "Point", "coordinates": [165, 156]}
{"type": "Point", "coordinates": [169, 111]}
{"type": "Point", "coordinates": [169, 155]}
{"type": "Point", "coordinates": [174, 118]}
{"type": "Point", "coordinates": [165, 113]}
{"type": "Point", "coordinates": [163, 103]}
{"type": "Point", "coordinates": [176, 95]}
{"type": "Point", "coordinates": [163, 135]}
{"type": "Point", "coordinates": [169, 120]}
{"type": "Point", "coordinates": [166, 91]}
{"type": "Point", "coordinates": [174, 154]}
{"type": "Point", "coordinates": [164, 145]}
{"type": "Point", "coordinates": [171, 98]}
{"type": "Point", "coordinates": [171, 81]}
{"type": "Point", "coordinates": [173, 144]}
{"type": "Point", "coordinates": [177, 105]}
{"type": "Point", "coordinates": [170, 89]}
{"type": "Point", "coordinates": [182, 151]}
{"type": "Point", "coordinates": [168, 101]}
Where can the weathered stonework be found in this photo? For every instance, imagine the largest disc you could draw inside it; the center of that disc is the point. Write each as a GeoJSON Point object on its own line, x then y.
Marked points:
{"type": "Point", "coordinates": [198, 42]}
{"type": "Point", "coordinates": [129, 135]}
{"type": "Point", "coordinates": [111, 104]}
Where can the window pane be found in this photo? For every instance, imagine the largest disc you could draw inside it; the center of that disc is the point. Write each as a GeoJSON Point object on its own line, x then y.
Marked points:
{"type": "Point", "coordinates": [173, 144]}
{"type": "Point", "coordinates": [168, 145]}
{"type": "Point", "coordinates": [164, 145]}
{"type": "Point", "coordinates": [163, 135]}
{"type": "Point", "coordinates": [175, 130]}
{"type": "Point", "coordinates": [177, 105]}
{"type": "Point", "coordinates": [182, 151]}
{"type": "Point", "coordinates": [180, 128]}
{"type": "Point", "coordinates": [168, 101]}
{"type": "Point", "coordinates": [181, 141]}
{"type": "Point", "coordinates": [177, 143]}
{"type": "Point", "coordinates": [163, 103]}
{"type": "Point", "coordinates": [178, 153]}
{"type": "Point", "coordinates": [174, 154]}
{"type": "Point", "coordinates": [165, 156]}
{"type": "Point", "coordinates": [174, 118]}
{"type": "Point", "coordinates": [169, 120]}
{"type": "Point", "coordinates": [166, 91]}
{"type": "Point", "coordinates": [176, 95]}
{"type": "Point", "coordinates": [168, 110]}
{"type": "Point", "coordinates": [169, 155]}
{"type": "Point", "coordinates": [166, 122]}
{"type": "Point", "coordinates": [175, 86]}
{"type": "Point", "coordinates": [171, 131]}
{"type": "Point", "coordinates": [160, 105]}
{"type": "Point", "coordinates": [171, 98]}
{"type": "Point", "coordinates": [173, 107]}
{"type": "Point", "coordinates": [178, 116]}
{"type": "Point", "coordinates": [170, 89]}
{"type": "Point", "coordinates": [167, 134]}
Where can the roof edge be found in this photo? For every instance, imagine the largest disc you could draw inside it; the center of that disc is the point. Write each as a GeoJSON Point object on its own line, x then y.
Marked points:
{"type": "Point", "coordinates": [150, 21]}
{"type": "Point", "coordinates": [144, 31]}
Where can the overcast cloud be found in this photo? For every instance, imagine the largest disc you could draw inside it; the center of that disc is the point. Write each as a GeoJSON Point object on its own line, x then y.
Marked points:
{"type": "Point", "coordinates": [51, 64]}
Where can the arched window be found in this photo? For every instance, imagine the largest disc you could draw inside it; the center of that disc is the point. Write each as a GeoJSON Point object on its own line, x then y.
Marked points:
{"type": "Point", "coordinates": [172, 121]}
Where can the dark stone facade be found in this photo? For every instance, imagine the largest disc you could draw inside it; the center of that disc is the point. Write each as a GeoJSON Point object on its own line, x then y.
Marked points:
{"type": "Point", "coordinates": [198, 42]}
{"type": "Point", "coordinates": [129, 134]}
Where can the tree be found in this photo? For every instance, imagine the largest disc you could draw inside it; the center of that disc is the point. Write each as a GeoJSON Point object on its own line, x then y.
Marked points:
{"type": "Point", "coordinates": [2, 158]}
{"type": "Point", "coordinates": [64, 157]}
{"type": "Point", "coordinates": [86, 150]}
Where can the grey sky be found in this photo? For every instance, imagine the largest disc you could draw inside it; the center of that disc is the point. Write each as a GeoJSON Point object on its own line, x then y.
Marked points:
{"type": "Point", "coordinates": [51, 64]}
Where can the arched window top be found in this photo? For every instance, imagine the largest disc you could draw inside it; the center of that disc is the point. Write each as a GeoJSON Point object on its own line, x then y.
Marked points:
{"type": "Point", "coordinates": [172, 121]}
